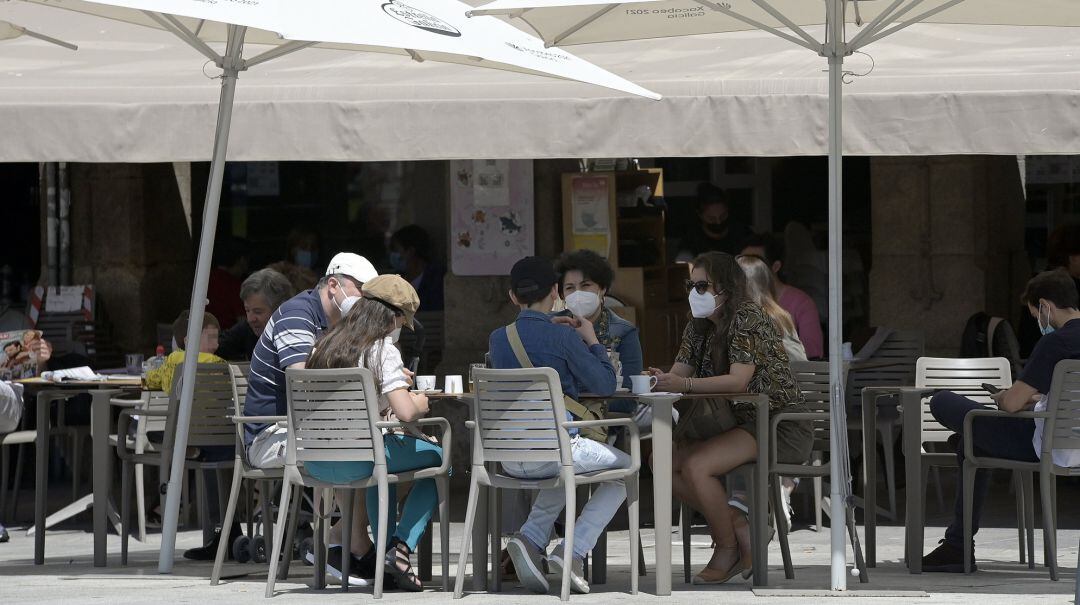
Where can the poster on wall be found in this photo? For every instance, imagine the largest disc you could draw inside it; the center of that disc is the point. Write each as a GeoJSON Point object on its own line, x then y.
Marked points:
{"type": "Point", "coordinates": [589, 200]}
{"type": "Point", "coordinates": [491, 215]}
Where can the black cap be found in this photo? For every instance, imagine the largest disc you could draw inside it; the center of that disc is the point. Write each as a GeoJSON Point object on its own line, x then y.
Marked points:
{"type": "Point", "coordinates": [532, 274]}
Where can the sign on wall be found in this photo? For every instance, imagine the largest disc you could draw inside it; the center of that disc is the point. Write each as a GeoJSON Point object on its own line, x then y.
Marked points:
{"type": "Point", "coordinates": [491, 215]}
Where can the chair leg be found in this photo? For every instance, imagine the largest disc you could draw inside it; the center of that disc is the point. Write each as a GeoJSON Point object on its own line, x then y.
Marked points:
{"type": "Point", "coordinates": [633, 496]}
{"type": "Point", "coordinates": [346, 537]}
{"type": "Point", "coordinates": [1028, 480]}
{"type": "Point", "coordinates": [781, 525]}
{"type": "Point", "coordinates": [1049, 522]}
{"type": "Point", "coordinates": [226, 522]}
{"type": "Point", "coordinates": [495, 537]}
{"type": "Point", "coordinates": [204, 506]}
{"type": "Point", "coordinates": [13, 503]}
{"type": "Point", "coordinates": [267, 514]}
{"type": "Point", "coordinates": [888, 448]}
{"type": "Point", "coordinates": [76, 466]}
{"type": "Point", "coordinates": [271, 576]}
{"type": "Point", "coordinates": [939, 490]}
{"type": "Point", "coordinates": [570, 488]}
{"type": "Point", "coordinates": [1018, 488]}
{"type": "Point", "coordinates": [466, 534]}
{"type": "Point", "coordinates": [125, 510]}
{"type": "Point", "coordinates": [140, 500]}
{"type": "Point", "coordinates": [4, 478]}
{"type": "Point", "coordinates": [442, 487]}
{"type": "Point", "coordinates": [819, 522]}
{"type": "Point", "coordinates": [685, 516]}
{"type": "Point", "coordinates": [322, 497]}
{"type": "Point", "coordinates": [382, 536]}
{"type": "Point", "coordinates": [290, 532]}
{"type": "Point", "coordinates": [598, 573]}
{"type": "Point", "coordinates": [968, 474]}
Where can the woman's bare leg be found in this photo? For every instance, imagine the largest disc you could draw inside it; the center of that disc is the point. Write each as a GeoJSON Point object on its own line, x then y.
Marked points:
{"type": "Point", "coordinates": [360, 542]}
{"type": "Point", "coordinates": [702, 470]}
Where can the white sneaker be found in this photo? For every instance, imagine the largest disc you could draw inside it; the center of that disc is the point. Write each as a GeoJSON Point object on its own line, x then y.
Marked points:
{"type": "Point", "coordinates": [577, 570]}
{"type": "Point", "coordinates": [527, 560]}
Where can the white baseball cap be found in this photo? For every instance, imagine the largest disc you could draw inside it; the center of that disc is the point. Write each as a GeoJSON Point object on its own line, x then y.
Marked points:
{"type": "Point", "coordinates": [352, 265]}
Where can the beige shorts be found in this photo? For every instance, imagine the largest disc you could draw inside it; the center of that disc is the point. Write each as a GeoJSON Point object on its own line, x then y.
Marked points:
{"type": "Point", "coordinates": [268, 448]}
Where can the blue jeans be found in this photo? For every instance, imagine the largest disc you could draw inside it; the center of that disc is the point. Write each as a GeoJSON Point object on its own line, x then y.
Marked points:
{"type": "Point", "coordinates": [588, 456]}
{"type": "Point", "coordinates": [1008, 438]}
{"type": "Point", "coordinates": [403, 453]}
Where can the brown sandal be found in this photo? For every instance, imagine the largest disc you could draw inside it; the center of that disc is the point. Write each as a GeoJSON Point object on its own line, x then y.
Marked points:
{"type": "Point", "coordinates": [711, 575]}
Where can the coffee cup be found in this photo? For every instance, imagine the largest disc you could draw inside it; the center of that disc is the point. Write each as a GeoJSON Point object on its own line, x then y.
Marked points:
{"type": "Point", "coordinates": [642, 384]}
{"type": "Point", "coordinates": [425, 383]}
{"type": "Point", "coordinates": [452, 384]}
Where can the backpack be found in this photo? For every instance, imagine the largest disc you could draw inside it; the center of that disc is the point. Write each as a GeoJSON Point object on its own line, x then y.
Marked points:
{"type": "Point", "coordinates": [986, 336]}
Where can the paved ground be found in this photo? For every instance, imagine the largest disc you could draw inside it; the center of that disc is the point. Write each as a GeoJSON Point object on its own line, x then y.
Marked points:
{"type": "Point", "coordinates": [69, 577]}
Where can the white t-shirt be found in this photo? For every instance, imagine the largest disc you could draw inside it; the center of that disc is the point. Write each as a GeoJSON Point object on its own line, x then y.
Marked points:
{"type": "Point", "coordinates": [389, 368]}
{"type": "Point", "coordinates": [11, 406]}
{"type": "Point", "coordinates": [1068, 458]}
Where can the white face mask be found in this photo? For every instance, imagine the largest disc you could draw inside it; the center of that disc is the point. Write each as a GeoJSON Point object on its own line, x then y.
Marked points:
{"type": "Point", "coordinates": [583, 303]}
{"type": "Point", "coordinates": [346, 304]}
{"type": "Point", "coordinates": [395, 335]}
{"type": "Point", "coordinates": [702, 305]}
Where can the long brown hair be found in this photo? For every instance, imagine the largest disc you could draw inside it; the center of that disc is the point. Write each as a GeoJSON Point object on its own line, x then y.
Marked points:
{"type": "Point", "coordinates": [728, 279]}
{"type": "Point", "coordinates": [761, 288]}
{"type": "Point", "coordinates": [362, 330]}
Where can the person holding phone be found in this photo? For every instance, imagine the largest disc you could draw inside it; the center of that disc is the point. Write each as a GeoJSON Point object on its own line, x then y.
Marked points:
{"type": "Point", "coordinates": [1052, 299]}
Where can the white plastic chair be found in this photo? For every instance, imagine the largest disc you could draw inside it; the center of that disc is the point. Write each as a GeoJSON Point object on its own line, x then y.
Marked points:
{"type": "Point", "coordinates": [334, 417]}
{"type": "Point", "coordinates": [519, 416]}
{"type": "Point", "coordinates": [210, 427]}
{"type": "Point", "coordinates": [964, 377]}
{"type": "Point", "coordinates": [243, 471]}
{"type": "Point", "coordinates": [1060, 432]}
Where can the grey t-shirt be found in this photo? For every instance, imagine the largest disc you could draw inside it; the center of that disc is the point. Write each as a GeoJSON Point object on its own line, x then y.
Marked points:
{"type": "Point", "coordinates": [10, 407]}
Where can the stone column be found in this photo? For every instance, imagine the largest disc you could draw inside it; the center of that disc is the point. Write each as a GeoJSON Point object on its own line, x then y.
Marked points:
{"type": "Point", "coordinates": [948, 241]}
{"type": "Point", "coordinates": [131, 240]}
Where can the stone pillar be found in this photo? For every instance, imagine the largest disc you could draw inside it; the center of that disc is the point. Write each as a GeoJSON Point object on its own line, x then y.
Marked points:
{"type": "Point", "coordinates": [477, 305]}
{"type": "Point", "coordinates": [948, 241]}
{"type": "Point", "coordinates": [131, 240]}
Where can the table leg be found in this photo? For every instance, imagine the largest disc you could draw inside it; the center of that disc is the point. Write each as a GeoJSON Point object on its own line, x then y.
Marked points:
{"type": "Point", "coordinates": [869, 429]}
{"type": "Point", "coordinates": [41, 475]}
{"type": "Point", "coordinates": [760, 484]}
{"type": "Point", "coordinates": [662, 489]}
{"type": "Point", "coordinates": [913, 473]}
{"type": "Point", "coordinates": [99, 432]}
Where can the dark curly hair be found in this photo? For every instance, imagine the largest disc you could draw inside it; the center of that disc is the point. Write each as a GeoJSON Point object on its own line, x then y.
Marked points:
{"type": "Point", "coordinates": [592, 266]}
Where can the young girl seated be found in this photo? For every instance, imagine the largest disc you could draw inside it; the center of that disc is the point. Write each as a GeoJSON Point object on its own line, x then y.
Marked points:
{"type": "Point", "coordinates": [362, 336]}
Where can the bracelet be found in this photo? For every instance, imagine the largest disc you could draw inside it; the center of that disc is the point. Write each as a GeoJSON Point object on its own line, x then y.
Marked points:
{"type": "Point", "coordinates": [690, 384]}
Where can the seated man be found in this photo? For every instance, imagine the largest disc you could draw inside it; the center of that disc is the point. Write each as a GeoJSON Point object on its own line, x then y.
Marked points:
{"type": "Point", "coordinates": [569, 345]}
{"type": "Point", "coordinates": [261, 293]}
{"type": "Point", "coordinates": [1052, 299]}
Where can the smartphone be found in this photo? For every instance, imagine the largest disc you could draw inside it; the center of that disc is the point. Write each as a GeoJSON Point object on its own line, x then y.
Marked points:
{"type": "Point", "coordinates": [989, 388]}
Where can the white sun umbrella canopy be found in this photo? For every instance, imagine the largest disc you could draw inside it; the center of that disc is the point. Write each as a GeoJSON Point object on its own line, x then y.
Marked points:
{"type": "Point", "coordinates": [570, 22]}
{"type": "Point", "coordinates": [424, 30]}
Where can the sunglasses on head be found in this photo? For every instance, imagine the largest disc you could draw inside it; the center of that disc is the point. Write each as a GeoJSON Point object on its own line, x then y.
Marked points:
{"type": "Point", "coordinates": [701, 286]}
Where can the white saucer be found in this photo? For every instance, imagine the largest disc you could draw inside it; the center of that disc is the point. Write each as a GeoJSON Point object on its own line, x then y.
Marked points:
{"type": "Point", "coordinates": [429, 392]}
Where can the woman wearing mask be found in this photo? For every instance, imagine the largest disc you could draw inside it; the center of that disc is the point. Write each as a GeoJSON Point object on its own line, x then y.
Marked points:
{"type": "Point", "coordinates": [584, 279]}
{"type": "Point", "coordinates": [731, 346]}
{"type": "Point", "coordinates": [389, 302]}
{"type": "Point", "coordinates": [761, 288]}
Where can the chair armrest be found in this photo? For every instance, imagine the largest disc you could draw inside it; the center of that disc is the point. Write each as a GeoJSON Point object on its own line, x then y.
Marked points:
{"type": "Point", "coordinates": [970, 417]}
{"type": "Point", "coordinates": [470, 424]}
{"type": "Point", "coordinates": [628, 423]}
{"type": "Point", "coordinates": [447, 435]}
{"type": "Point", "coordinates": [264, 419]}
{"type": "Point", "coordinates": [123, 424]}
{"type": "Point", "coordinates": [789, 416]}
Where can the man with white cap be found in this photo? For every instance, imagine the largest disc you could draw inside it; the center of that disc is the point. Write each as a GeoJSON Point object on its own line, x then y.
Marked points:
{"type": "Point", "coordinates": [286, 342]}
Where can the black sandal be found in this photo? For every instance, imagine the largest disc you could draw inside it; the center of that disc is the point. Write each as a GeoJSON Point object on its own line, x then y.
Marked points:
{"type": "Point", "coordinates": [399, 566]}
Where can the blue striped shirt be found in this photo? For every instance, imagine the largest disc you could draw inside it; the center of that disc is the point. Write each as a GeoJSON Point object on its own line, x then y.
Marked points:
{"type": "Point", "coordinates": [287, 339]}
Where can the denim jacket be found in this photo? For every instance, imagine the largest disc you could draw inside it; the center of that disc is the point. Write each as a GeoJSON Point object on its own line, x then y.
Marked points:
{"type": "Point", "coordinates": [580, 368]}
{"type": "Point", "coordinates": [616, 333]}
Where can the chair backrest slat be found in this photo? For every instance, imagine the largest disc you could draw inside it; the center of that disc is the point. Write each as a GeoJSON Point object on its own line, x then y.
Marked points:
{"type": "Point", "coordinates": [962, 376]}
{"type": "Point", "coordinates": [211, 406]}
{"type": "Point", "coordinates": [518, 414]}
{"type": "Point", "coordinates": [812, 378]}
{"type": "Point", "coordinates": [1063, 403]}
{"type": "Point", "coordinates": [332, 416]}
{"type": "Point", "coordinates": [899, 350]}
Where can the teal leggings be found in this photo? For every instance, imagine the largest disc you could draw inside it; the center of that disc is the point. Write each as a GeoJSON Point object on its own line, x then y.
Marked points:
{"type": "Point", "coordinates": [403, 453]}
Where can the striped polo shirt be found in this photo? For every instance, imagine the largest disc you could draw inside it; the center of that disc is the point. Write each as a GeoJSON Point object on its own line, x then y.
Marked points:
{"type": "Point", "coordinates": [287, 339]}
